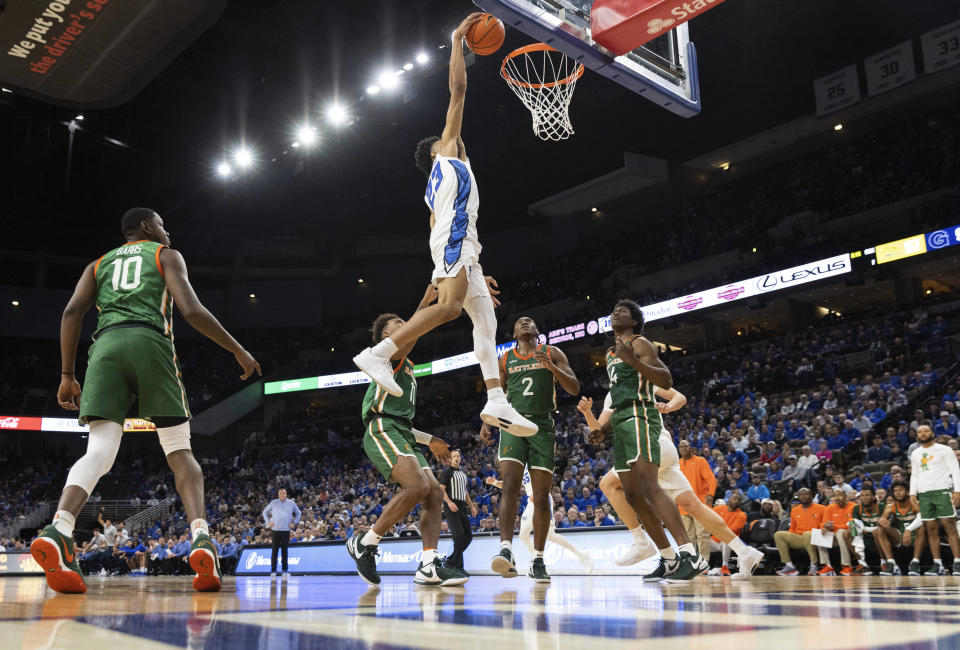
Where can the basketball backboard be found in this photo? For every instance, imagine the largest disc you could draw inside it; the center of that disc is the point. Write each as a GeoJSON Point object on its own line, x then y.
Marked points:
{"type": "Point", "coordinates": [663, 70]}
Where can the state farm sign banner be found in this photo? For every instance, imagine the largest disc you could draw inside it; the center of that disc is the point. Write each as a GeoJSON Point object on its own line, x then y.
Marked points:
{"type": "Point", "coordinates": [95, 53]}
{"type": "Point", "coordinates": [624, 25]}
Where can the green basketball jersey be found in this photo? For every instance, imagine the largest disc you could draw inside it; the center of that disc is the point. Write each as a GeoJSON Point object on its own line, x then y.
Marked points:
{"type": "Point", "coordinates": [869, 516]}
{"type": "Point", "coordinates": [131, 288]}
{"type": "Point", "coordinates": [900, 519]}
{"type": "Point", "coordinates": [626, 384]}
{"type": "Point", "coordinates": [531, 388]}
{"type": "Point", "coordinates": [378, 401]}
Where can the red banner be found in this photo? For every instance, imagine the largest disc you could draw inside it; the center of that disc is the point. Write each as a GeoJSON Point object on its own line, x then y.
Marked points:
{"type": "Point", "coordinates": [624, 25]}
{"type": "Point", "coordinates": [20, 423]}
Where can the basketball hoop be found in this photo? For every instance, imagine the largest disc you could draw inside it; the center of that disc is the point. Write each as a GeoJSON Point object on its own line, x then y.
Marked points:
{"type": "Point", "coordinates": [544, 79]}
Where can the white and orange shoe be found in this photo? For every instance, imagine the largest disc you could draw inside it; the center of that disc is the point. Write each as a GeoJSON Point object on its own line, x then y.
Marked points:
{"type": "Point", "coordinates": [204, 560]}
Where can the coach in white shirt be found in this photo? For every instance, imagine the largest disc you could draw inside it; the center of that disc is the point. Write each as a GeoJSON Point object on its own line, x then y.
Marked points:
{"type": "Point", "coordinates": [935, 492]}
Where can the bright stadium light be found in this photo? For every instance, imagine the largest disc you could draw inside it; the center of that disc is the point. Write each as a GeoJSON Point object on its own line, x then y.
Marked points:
{"type": "Point", "coordinates": [373, 90]}
{"type": "Point", "coordinates": [388, 80]}
{"type": "Point", "coordinates": [838, 127]}
{"type": "Point", "coordinates": [16, 303]}
{"type": "Point", "coordinates": [79, 117]}
{"type": "Point", "coordinates": [243, 157]}
{"type": "Point", "coordinates": [337, 114]}
{"type": "Point", "coordinates": [408, 66]}
{"type": "Point", "coordinates": [224, 169]}
{"type": "Point", "coordinates": [306, 135]}
{"type": "Point", "coordinates": [423, 58]}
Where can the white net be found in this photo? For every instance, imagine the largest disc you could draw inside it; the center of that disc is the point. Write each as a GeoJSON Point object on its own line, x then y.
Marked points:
{"type": "Point", "coordinates": [544, 80]}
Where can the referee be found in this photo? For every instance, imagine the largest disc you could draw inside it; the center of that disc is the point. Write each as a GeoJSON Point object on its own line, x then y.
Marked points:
{"type": "Point", "coordinates": [456, 501]}
{"type": "Point", "coordinates": [281, 516]}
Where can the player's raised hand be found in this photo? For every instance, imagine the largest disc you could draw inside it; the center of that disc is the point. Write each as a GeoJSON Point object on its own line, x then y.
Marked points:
{"type": "Point", "coordinates": [544, 357]}
{"type": "Point", "coordinates": [586, 405]}
{"type": "Point", "coordinates": [595, 437]}
{"type": "Point", "coordinates": [493, 287]}
{"type": "Point", "coordinates": [68, 395]}
{"type": "Point", "coordinates": [441, 450]}
{"type": "Point", "coordinates": [248, 363]}
{"type": "Point", "coordinates": [486, 435]}
{"type": "Point", "coordinates": [430, 295]}
{"type": "Point", "coordinates": [467, 23]}
{"type": "Point", "coordinates": [624, 349]}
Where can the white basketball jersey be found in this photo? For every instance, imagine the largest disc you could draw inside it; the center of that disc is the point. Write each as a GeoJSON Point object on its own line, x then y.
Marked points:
{"type": "Point", "coordinates": [527, 483]}
{"type": "Point", "coordinates": [453, 197]}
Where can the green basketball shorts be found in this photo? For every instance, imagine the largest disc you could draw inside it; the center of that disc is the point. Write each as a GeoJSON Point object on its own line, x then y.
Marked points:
{"type": "Point", "coordinates": [130, 364]}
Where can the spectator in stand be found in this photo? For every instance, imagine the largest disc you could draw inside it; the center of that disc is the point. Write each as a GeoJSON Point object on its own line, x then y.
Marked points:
{"type": "Point", "coordinates": [944, 426]}
{"type": "Point", "coordinates": [177, 556]}
{"type": "Point", "coordinates": [919, 419]}
{"type": "Point", "coordinates": [704, 483]}
{"type": "Point", "coordinates": [824, 455]}
{"type": "Point", "coordinates": [733, 456]}
{"type": "Point", "coordinates": [792, 472]}
{"type": "Point", "coordinates": [229, 555]}
{"type": "Point", "coordinates": [879, 452]}
{"type": "Point", "coordinates": [804, 517]}
{"type": "Point", "coordinates": [836, 520]}
{"type": "Point", "coordinates": [735, 519]}
{"type": "Point", "coordinates": [895, 474]}
{"type": "Point", "coordinates": [156, 554]}
{"type": "Point", "coordinates": [874, 413]}
{"type": "Point", "coordinates": [758, 491]}
{"type": "Point", "coordinates": [774, 473]}
{"type": "Point", "coordinates": [770, 453]}
{"type": "Point", "coordinates": [857, 481]}
{"type": "Point", "coordinates": [807, 460]}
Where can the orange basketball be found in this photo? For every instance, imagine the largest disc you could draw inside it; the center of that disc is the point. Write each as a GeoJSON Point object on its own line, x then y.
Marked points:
{"type": "Point", "coordinates": [486, 35]}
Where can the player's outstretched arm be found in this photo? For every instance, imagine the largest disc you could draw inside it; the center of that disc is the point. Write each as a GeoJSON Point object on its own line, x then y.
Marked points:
{"type": "Point", "coordinates": [84, 295]}
{"type": "Point", "coordinates": [675, 400]}
{"type": "Point", "coordinates": [458, 90]}
{"type": "Point", "coordinates": [429, 296]}
{"type": "Point", "coordinates": [175, 272]}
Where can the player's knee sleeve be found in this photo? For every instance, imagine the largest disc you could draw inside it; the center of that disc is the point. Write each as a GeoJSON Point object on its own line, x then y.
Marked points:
{"type": "Point", "coordinates": [480, 310]}
{"type": "Point", "coordinates": [174, 438]}
{"type": "Point", "coordinates": [102, 447]}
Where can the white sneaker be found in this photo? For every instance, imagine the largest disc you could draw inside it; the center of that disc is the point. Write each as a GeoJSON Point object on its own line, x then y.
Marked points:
{"type": "Point", "coordinates": [273, 575]}
{"type": "Point", "coordinates": [503, 416]}
{"type": "Point", "coordinates": [747, 564]}
{"type": "Point", "coordinates": [586, 561]}
{"type": "Point", "coordinates": [636, 553]}
{"type": "Point", "coordinates": [379, 370]}
{"type": "Point", "coordinates": [702, 566]}
{"type": "Point", "coordinates": [284, 575]}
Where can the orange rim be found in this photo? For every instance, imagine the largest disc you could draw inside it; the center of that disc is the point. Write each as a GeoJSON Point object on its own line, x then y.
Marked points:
{"type": "Point", "coordinates": [537, 47]}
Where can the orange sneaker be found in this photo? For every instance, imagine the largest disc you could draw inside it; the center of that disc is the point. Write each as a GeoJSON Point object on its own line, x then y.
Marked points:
{"type": "Point", "coordinates": [826, 571]}
{"type": "Point", "coordinates": [724, 570]}
{"type": "Point", "coordinates": [54, 552]}
{"type": "Point", "coordinates": [845, 571]}
{"type": "Point", "coordinates": [204, 560]}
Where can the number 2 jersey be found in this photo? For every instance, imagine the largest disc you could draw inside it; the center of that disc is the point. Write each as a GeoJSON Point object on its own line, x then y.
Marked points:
{"type": "Point", "coordinates": [453, 197]}
{"type": "Point", "coordinates": [131, 288]}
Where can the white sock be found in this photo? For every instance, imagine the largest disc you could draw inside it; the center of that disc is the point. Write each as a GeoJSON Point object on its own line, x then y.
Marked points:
{"type": "Point", "coordinates": [668, 553]}
{"type": "Point", "coordinates": [64, 522]}
{"type": "Point", "coordinates": [429, 555]}
{"type": "Point", "coordinates": [507, 544]}
{"type": "Point", "coordinates": [789, 565]}
{"type": "Point", "coordinates": [496, 394]}
{"type": "Point", "coordinates": [937, 561]}
{"type": "Point", "coordinates": [370, 538]}
{"type": "Point", "coordinates": [863, 562]}
{"type": "Point", "coordinates": [737, 545]}
{"type": "Point", "coordinates": [688, 548]}
{"type": "Point", "coordinates": [538, 553]}
{"type": "Point", "coordinates": [197, 527]}
{"type": "Point", "coordinates": [639, 537]}
{"type": "Point", "coordinates": [385, 348]}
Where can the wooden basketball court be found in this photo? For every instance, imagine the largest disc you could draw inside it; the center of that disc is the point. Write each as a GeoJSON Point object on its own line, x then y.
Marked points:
{"type": "Point", "coordinates": [488, 612]}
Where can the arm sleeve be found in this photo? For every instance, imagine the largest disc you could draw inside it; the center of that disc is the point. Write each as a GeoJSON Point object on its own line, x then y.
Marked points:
{"type": "Point", "coordinates": [915, 524]}
{"type": "Point", "coordinates": [607, 403]}
{"type": "Point", "coordinates": [445, 477]}
{"type": "Point", "coordinates": [914, 476]}
{"type": "Point", "coordinates": [296, 513]}
{"type": "Point", "coordinates": [422, 437]}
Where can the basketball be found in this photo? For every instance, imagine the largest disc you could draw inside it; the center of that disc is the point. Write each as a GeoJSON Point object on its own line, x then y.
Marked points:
{"type": "Point", "coordinates": [486, 36]}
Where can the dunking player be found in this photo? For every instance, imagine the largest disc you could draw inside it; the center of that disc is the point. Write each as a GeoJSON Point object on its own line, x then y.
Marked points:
{"type": "Point", "coordinates": [390, 441]}
{"type": "Point", "coordinates": [133, 358]}
{"type": "Point", "coordinates": [530, 372]}
{"type": "Point", "coordinates": [635, 371]}
{"type": "Point", "coordinates": [527, 533]}
{"type": "Point", "coordinates": [453, 200]}
{"type": "Point", "coordinates": [675, 484]}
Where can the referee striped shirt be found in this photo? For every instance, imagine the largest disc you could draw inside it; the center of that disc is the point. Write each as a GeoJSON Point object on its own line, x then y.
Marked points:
{"type": "Point", "coordinates": [456, 483]}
